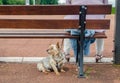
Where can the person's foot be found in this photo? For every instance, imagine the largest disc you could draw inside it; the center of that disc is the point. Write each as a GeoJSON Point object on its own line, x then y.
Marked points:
{"type": "Point", "coordinates": [67, 57]}
{"type": "Point", "coordinates": [98, 58]}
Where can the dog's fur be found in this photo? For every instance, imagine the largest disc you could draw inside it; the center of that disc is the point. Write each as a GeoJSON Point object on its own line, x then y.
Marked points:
{"type": "Point", "coordinates": [54, 61]}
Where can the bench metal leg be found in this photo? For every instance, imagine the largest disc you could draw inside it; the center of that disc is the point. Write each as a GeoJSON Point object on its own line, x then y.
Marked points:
{"type": "Point", "coordinates": [82, 23]}
{"type": "Point", "coordinates": [80, 60]}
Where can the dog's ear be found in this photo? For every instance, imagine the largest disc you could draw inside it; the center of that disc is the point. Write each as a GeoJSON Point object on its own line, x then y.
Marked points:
{"type": "Point", "coordinates": [58, 45]}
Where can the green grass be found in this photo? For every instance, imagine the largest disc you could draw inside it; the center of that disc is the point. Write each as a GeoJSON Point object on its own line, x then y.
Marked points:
{"type": "Point", "coordinates": [113, 10]}
{"type": "Point", "coordinates": [88, 71]}
{"type": "Point", "coordinates": [117, 66]}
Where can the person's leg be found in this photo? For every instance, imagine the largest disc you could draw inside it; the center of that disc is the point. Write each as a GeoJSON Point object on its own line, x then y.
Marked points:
{"type": "Point", "coordinates": [99, 48]}
{"type": "Point", "coordinates": [74, 46]}
{"type": "Point", "coordinates": [66, 48]}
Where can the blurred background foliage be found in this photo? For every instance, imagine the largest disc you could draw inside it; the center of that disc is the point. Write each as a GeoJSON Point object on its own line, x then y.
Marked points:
{"type": "Point", "coordinates": [22, 2]}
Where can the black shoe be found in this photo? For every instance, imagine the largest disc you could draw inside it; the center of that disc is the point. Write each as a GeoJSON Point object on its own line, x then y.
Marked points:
{"type": "Point", "coordinates": [98, 58]}
{"type": "Point", "coordinates": [67, 57]}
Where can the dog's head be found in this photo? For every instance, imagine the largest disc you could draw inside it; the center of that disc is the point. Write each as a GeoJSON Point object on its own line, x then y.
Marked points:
{"type": "Point", "coordinates": [53, 49]}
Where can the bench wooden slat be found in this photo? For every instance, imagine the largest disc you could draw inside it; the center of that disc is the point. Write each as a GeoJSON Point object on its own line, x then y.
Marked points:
{"type": "Point", "coordinates": [100, 35]}
{"type": "Point", "coordinates": [51, 24]}
{"type": "Point", "coordinates": [53, 9]}
{"type": "Point", "coordinates": [45, 35]}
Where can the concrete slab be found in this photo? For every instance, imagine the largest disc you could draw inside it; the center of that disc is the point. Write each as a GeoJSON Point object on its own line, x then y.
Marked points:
{"type": "Point", "coordinates": [37, 59]}
{"type": "Point", "coordinates": [11, 59]}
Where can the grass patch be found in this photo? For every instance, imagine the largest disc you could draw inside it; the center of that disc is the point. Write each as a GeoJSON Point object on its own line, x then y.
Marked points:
{"type": "Point", "coordinates": [116, 66]}
{"type": "Point", "coordinates": [88, 71]}
{"type": "Point", "coordinates": [113, 10]}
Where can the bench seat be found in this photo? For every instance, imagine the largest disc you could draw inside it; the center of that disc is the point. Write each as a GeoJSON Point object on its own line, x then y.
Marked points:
{"type": "Point", "coordinates": [45, 34]}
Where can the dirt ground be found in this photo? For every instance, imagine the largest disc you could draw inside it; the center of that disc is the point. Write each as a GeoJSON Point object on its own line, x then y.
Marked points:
{"type": "Point", "coordinates": [28, 73]}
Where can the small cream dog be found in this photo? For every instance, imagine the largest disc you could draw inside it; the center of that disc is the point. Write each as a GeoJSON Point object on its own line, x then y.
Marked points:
{"type": "Point", "coordinates": [54, 61]}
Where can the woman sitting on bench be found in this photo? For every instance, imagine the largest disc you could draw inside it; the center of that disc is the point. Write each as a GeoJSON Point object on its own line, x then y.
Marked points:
{"type": "Point", "coordinates": [71, 43]}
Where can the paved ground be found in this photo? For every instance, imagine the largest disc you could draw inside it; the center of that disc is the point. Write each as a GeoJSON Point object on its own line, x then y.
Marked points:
{"type": "Point", "coordinates": [28, 73]}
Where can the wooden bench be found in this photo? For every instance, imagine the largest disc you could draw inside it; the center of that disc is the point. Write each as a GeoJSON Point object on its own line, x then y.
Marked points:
{"type": "Point", "coordinates": [81, 24]}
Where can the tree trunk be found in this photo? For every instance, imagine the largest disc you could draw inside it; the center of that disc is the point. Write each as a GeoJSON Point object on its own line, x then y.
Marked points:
{"type": "Point", "coordinates": [117, 34]}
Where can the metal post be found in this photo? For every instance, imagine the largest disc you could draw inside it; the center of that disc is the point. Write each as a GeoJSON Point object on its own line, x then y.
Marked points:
{"type": "Point", "coordinates": [117, 34]}
{"type": "Point", "coordinates": [82, 23]}
{"type": "Point", "coordinates": [27, 2]}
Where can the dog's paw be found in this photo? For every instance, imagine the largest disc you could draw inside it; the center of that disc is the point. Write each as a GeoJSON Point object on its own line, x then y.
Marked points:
{"type": "Point", "coordinates": [58, 74]}
{"type": "Point", "coordinates": [62, 70]}
{"type": "Point", "coordinates": [45, 72]}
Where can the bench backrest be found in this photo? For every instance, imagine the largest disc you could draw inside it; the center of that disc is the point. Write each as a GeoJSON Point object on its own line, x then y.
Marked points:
{"type": "Point", "coordinates": [24, 23]}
